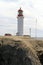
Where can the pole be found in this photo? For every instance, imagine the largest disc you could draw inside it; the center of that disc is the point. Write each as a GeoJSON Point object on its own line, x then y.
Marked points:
{"type": "Point", "coordinates": [36, 29]}
{"type": "Point", "coordinates": [30, 32]}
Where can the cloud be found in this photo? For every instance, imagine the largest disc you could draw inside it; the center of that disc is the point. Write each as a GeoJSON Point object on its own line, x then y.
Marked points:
{"type": "Point", "coordinates": [32, 9]}
{"type": "Point", "coordinates": [9, 0]}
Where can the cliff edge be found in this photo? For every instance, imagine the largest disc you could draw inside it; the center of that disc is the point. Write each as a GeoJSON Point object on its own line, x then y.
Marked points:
{"type": "Point", "coordinates": [20, 50]}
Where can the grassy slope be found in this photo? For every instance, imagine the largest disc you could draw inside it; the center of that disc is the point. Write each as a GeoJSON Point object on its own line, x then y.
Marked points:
{"type": "Point", "coordinates": [29, 43]}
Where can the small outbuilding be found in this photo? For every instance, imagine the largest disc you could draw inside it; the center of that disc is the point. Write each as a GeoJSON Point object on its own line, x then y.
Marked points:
{"type": "Point", "coordinates": [7, 34]}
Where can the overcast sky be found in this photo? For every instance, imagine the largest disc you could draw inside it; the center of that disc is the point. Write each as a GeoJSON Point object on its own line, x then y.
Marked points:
{"type": "Point", "coordinates": [32, 9]}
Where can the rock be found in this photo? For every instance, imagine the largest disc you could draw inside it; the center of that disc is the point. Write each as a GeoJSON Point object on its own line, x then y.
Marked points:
{"type": "Point", "coordinates": [13, 56]}
{"type": "Point", "coordinates": [19, 51]}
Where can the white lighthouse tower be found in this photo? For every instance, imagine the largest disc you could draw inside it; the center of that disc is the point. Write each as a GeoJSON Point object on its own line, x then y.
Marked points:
{"type": "Point", "coordinates": [20, 22]}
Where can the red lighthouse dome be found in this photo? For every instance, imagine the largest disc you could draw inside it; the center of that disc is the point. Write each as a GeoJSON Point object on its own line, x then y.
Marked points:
{"type": "Point", "coordinates": [20, 12]}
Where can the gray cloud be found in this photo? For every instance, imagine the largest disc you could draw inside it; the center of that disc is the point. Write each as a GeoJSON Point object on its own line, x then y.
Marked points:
{"type": "Point", "coordinates": [8, 11]}
{"type": "Point", "coordinates": [10, 0]}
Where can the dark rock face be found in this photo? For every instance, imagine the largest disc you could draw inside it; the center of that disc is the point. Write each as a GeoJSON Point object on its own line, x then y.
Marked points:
{"type": "Point", "coordinates": [41, 59]}
{"type": "Point", "coordinates": [13, 56]}
{"type": "Point", "coordinates": [40, 56]}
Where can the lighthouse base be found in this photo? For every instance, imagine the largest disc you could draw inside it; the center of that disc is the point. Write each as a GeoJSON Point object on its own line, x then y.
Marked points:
{"type": "Point", "coordinates": [18, 34]}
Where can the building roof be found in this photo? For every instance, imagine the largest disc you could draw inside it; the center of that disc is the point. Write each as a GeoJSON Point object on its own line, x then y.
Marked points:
{"type": "Point", "coordinates": [20, 10]}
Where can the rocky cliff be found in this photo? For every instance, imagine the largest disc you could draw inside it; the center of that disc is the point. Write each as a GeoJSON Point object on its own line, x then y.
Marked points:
{"type": "Point", "coordinates": [21, 51]}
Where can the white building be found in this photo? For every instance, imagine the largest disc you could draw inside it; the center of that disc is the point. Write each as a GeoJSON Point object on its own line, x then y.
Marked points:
{"type": "Point", "coordinates": [20, 18]}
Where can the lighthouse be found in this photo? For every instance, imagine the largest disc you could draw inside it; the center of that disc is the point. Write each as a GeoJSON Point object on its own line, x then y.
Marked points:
{"type": "Point", "coordinates": [20, 18]}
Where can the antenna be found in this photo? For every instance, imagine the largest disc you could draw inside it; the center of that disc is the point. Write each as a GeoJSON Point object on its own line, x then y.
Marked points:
{"type": "Point", "coordinates": [36, 29]}
{"type": "Point", "coordinates": [30, 31]}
